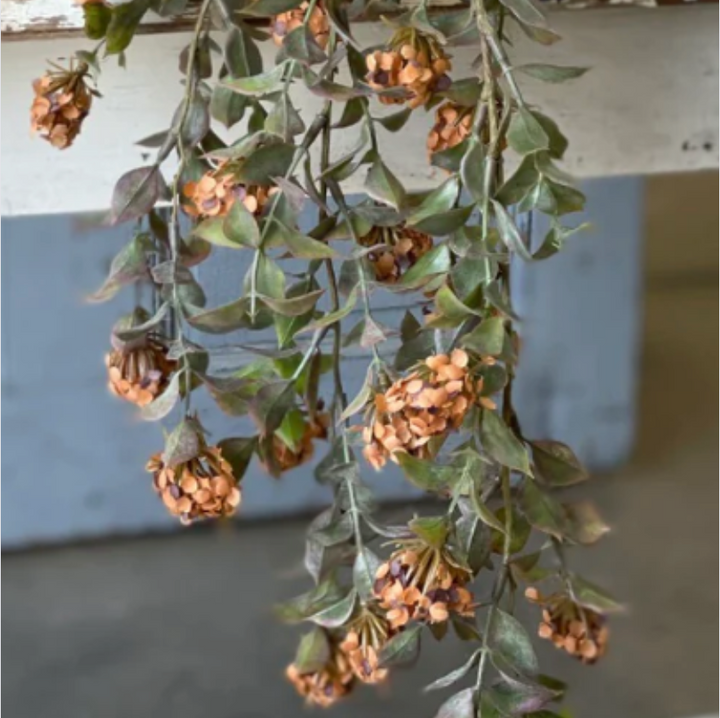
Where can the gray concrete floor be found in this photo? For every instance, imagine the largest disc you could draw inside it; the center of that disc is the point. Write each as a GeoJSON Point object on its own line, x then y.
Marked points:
{"type": "Point", "coordinates": [181, 625]}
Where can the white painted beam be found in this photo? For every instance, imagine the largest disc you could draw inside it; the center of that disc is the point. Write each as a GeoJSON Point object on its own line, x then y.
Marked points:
{"type": "Point", "coordinates": [650, 104]}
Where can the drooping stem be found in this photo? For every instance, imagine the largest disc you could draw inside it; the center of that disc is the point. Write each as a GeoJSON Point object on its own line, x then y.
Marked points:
{"type": "Point", "coordinates": [174, 225]}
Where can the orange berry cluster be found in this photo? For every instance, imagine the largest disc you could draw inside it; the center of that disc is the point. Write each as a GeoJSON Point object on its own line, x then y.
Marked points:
{"type": "Point", "coordinates": [62, 101]}
{"type": "Point", "coordinates": [325, 686]}
{"type": "Point", "coordinates": [318, 24]}
{"type": "Point", "coordinates": [139, 374]}
{"type": "Point", "coordinates": [421, 583]}
{"type": "Point", "coordinates": [202, 488]}
{"type": "Point", "coordinates": [217, 191]}
{"type": "Point", "coordinates": [413, 62]}
{"type": "Point", "coordinates": [429, 402]}
{"type": "Point", "coordinates": [453, 123]}
{"type": "Point", "coordinates": [577, 630]}
{"type": "Point", "coordinates": [401, 248]}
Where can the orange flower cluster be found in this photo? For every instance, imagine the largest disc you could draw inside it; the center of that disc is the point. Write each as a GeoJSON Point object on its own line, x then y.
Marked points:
{"type": "Point", "coordinates": [421, 583]}
{"type": "Point", "coordinates": [62, 101]}
{"type": "Point", "coordinates": [141, 373]}
{"type": "Point", "coordinates": [318, 24]}
{"type": "Point", "coordinates": [366, 637]}
{"type": "Point", "coordinates": [403, 247]}
{"type": "Point", "coordinates": [326, 686]}
{"type": "Point", "coordinates": [288, 458]}
{"type": "Point", "coordinates": [429, 402]}
{"type": "Point", "coordinates": [418, 65]}
{"type": "Point", "coordinates": [217, 191]}
{"type": "Point", "coordinates": [577, 630]}
{"type": "Point", "coordinates": [202, 488]}
{"type": "Point", "coordinates": [453, 123]}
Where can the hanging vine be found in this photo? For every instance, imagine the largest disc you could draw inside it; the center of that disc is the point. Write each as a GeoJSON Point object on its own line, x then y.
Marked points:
{"type": "Point", "coordinates": [442, 406]}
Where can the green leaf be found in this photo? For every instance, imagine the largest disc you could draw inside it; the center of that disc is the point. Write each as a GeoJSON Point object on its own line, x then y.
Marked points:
{"type": "Point", "coordinates": [127, 267]}
{"type": "Point", "coordinates": [525, 133]}
{"type": "Point", "coordinates": [329, 90]}
{"type": "Point", "coordinates": [499, 299]}
{"type": "Point", "coordinates": [488, 338]}
{"type": "Point", "coordinates": [557, 142]}
{"type": "Point", "coordinates": [258, 84]}
{"type": "Point", "coordinates": [464, 92]}
{"type": "Point", "coordinates": [352, 113]}
{"type": "Point", "coordinates": [265, 163]}
{"type": "Point", "coordinates": [433, 530]}
{"type": "Point", "coordinates": [238, 451]}
{"type": "Point", "coordinates": [135, 194]}
{"type": "Point", "coordinates": [484, 513]}
{"type": "Point", "coordinates": [339, 530]}
{"type": "Point", "coordinates": [556, 463]}
{"type": "Point", "coordinates": [138, 324]}
{"type": "Point", "coordinates": [591, 596]}
{"type": "Point", "coordinates": [451, 310]}
{"type": "Point", "coordinates": [270, 404]}
{"type": "Point", "coordinates": [440, 200]}
{"type": "Point", "coordinates": [402, 648]}
{"type": "Point", "coordinates": [436, 261]}
{"type": "Point", "coordinates": [585, 525]}
{"type": "Point", "coordinates": [284, 120]}
{"type": "Point", "coordinates": [123, 24]}
{"type": "Point", "coordinates": [326, 593]}
{"type": "Point", "coordinates": [509, 232]}
{"type": "Point", "coordinates": [299, 44]}
{"type": "Point", "coordinates": [543, 511]}
{"type": "Point", "coordinates": [520, 183]}
{"type": "Point", "coordinates": [456, 675]}
{"type": "Point", "coordinates": [242, 56]}
{"type": "Point", "coordinates": [226, 106]}
{"type": "Point", "coordinates": [211, 230]}
{"type": "Point", "coordinates": [461, 705]}
{"type": "Point", "coordinates": [473, 537]}
{"type": "Point", "coordinates": [97, 19]}
{"type": "Point", "coordinates": [337, 614]}
{"type": "Point", "coordinates": [313, 652]}
{"type": "Point", "coordinates": [551, 73]}
{"type": "Point", "coordinates": [304, 247]}
{"type": "Point", "coordinates": [445, 222]}
{"type": "Point", "coordinates": [526, 12]}
{"type": "Point", "coordinates": [364, 570]}
{"type": "Point", "coordinates": [163, 404]}
{"type": "Point", "coordinates": [518, 697]}
{"type": "Point", "coordinates": [270, 278]}
{"type": "Point", "coordinates": [427, 475]}
{"type": "Point", "coordinates": [555, 240]}
{"type": "Point", "coordinates": [220, 320]}
{"type": "Point", "coordinates": [196, 121]}
{"type": "Point", "coordinates": [382, 185]}
{"type": "Point", "coordinates": [294, 306]}
{"type": "Point", "coordinates": [333, 317]}
{"type": "Point", "coordinates": [396, 121]}
{"type": "Point", "coordinates": [472, 171]}
{"type": "Point", "coordinates": [240, 227]}
{"type": "Point", "coordinates": [510, 640]}
{"type": "Point", "coordinates": [501, 444]}
{"type": "Point", "coordinates": [182, 444]}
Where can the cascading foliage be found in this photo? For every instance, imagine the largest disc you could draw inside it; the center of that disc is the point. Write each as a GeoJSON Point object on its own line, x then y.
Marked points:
{"type": "Point", "coordinates": [441, 407]}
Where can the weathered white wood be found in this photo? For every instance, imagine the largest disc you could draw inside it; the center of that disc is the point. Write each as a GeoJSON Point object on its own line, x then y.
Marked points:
{"type": "Point", "coordinates": [650, 104]}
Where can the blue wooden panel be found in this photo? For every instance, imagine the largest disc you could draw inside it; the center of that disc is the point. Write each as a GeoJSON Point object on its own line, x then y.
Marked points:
{"type": "Point", "coordinates": [73, 460]}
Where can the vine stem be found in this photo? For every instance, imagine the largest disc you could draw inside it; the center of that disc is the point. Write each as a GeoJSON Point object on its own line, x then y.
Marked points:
{"type": "Point", "coordinates": [174, 228]}
{"type": "Point", "coordinates": [500, 580]}
{"type": "Point", "coordinates": [340, 397]}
